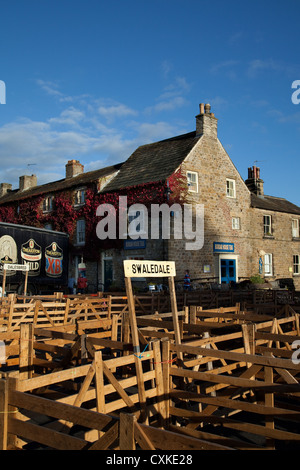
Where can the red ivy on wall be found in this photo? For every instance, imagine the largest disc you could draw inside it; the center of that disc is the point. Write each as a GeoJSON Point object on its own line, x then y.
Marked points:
{"type": "Point", "coordinates": [65, 215]}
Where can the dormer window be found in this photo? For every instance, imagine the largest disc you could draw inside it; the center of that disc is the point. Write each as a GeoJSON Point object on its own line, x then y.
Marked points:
{"type": "Point", "coordinates": [79, 197]}
{"type": "Point", "coordinates": [48, 204]}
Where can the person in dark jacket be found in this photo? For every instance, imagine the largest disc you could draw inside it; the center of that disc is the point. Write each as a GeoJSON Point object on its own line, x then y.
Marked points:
{"type": "Point", "coordinates": [187, 281]}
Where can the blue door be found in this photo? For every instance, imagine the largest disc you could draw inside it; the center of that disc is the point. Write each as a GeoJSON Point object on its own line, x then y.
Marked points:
{"type": "Point", "coordinates": [228, 271]}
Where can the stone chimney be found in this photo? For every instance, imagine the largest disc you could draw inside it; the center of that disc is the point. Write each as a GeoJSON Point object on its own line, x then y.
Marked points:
{"type": "Point", "coordinates": [27, 182]}
{"type": "Point", "coordinates": [73, 168]}
{"type": "Point", "coordinates": [5, 188]}
{"type": "Point", "coordinates": [206, 123]}
{"type": "Point", "coordinates": [254, 182]}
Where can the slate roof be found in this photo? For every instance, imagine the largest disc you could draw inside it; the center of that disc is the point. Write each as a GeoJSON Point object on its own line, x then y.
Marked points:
{"type": "Point", "coordinates": [274, 204]}
{"type": "Point", "coordinates": [153, 162]}
{"type": "Point", "coordinates": [60, 185]}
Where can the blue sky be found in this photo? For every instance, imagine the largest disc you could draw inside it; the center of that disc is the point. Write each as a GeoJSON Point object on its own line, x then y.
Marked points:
{"type": "Point", "coordinates": [93, 80]}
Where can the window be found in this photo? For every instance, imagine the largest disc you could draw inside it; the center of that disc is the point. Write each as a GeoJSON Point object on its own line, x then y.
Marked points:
{"type": "Point", "coordinates": [48, 204]}
{"type": "Point", "coordinates": [80, 232]}
{"type": "Point", "coordinates": [296, 264]}
{"type": "Point", "coordinates": [80, 197]}
{"type": "Point", "coordinates": [192, 181]}
{"type": "Point", "coordinates": [295, 228]}
{"type": "Point", "coordinates": [268, 264]}
{"type": "Point", "coordinates": [136, 222]}
{"type": "Point", "coordinates": [230, 188]}
{"type": "Point", "coordinates": [48, 226]}
{"type": "Point", "coordinates": [267, 225]}
{"type": "Point", "coordinates": [236, 223]}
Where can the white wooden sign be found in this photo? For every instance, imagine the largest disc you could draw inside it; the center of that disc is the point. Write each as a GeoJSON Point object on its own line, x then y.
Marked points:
{"type": "Point", "coordinates": [137, 268]}
{"type": "Point", "coordinates": [16, 267]}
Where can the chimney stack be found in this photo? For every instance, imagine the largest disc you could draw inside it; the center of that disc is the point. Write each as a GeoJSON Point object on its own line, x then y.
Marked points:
{"type": "Point", "coordinates": [5, 188]}
{"type": "Point", "coordinates": [206, 123]}
{"type": "Point", "coordinates": [73, 168]}
{"type": "Point", "coordinates": [254, 182]}
{"type": "Point", "coordinates": [27, 182]}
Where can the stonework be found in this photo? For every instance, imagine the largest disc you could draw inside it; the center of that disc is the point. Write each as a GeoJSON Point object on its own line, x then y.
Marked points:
{"type": "Point", "coordinates": [236, 244]}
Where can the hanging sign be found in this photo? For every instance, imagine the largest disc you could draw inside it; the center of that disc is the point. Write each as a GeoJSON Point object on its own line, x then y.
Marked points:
{"type": "Point", "coordinates": [31, 253]}
{"type": "Point", "coordinates": [16, 267]}
{"type": "Point", "coordinates": [137, 268]}
{"type": "Point", "coordinates": [54, 260]}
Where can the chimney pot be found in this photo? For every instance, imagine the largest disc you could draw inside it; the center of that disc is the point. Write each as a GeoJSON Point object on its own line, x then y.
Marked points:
{"type": "Point", "coordinates": [201, 108]}
{"type": "Point", "coordinates": [207, 108]}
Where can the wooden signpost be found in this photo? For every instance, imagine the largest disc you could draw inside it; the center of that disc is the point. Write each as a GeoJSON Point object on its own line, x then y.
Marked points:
{"type": "Point", "coordinates": [15, 267]}
{"type": "Point", "coordinates": [137, 268]}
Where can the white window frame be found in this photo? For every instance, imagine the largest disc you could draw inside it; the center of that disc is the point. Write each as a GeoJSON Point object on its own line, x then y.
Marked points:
{"type": "Point", "coordinates": [268, 264]}
{"type": "Point", "coordinates": [267, 226]}
{"type": "Point", "coordinates": [48, 203]}
{"type": "Point", "coordinates": [192, 184]}
{"type": "Point", "coordinates": [236, 223]}
{"type": "Point", "coordinates": [295, 228]}
{"type": "Point", "coordinates": [296, 265]}
{"type": "Point", "coordinates": [80, 232]}
{"type": "Point", "coordinates": [230, 188]}
{"type": "Point", "coordinates": [80, 197]}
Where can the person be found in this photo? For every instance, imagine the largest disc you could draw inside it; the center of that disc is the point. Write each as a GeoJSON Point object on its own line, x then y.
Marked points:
{"type": "Point", "coordinates": [71, 285]}
{"type": "Point", "coordinates": [81, 284]}
{"type": "Point", "coordinates": [187, 280]}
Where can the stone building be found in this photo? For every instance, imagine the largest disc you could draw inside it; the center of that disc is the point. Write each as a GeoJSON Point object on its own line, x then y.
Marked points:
{"type": "Point", "coordinates": [245, 233]}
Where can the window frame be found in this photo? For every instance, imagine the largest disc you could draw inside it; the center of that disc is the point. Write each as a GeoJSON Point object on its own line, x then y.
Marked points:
{"type": "Point", "coordinates": [228, 189]}
{"type": "Point", "coordinates": [296, 272]}
{"type": "Point", "coordinates": [79, 201]}
{"type": "Point", "coordinates": [48, 203]}
{"type": "Point", "coordinates": [80, 232]}
{"type": "Point", "coordinates": [266, 225]}
{"type": "Point", "coordinates": [234, 227]}
{"type": "Point", "coordinates": [269, 264]}
{"type": "Point", "coordinates": [190, 183]}
{"type": "Point", "coordinates": [295, 228]}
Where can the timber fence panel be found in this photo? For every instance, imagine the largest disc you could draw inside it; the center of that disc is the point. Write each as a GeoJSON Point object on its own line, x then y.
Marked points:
{"type": "Point", "coordinates": [265, 388]}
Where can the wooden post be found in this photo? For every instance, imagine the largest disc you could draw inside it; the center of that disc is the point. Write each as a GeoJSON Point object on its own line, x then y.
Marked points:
{"type": "Point", "coordinates": [127, 441]}
{"type": "Point", "coordinates": [136, 349]}
{"type": "Point", "coordinates": [193, 315]}
{"type": "Point", "coordinates": [12, 439]}
{"type": "Point", "coordinates": [166, 377]}
{"type": "Point", "coordinates": [26, 282]}
{"type": "Point", "coordinates": [84, 353]}
{"type": "Point", "coordinates": [3, 413]}
{"type": "Point", "coordinates": [249, 338]}
{"type": "Point", "coordinates": [159, 382]}
{"type": "Point", "coordinates": [99, 384]}
{"type": "Point", "coordinates": [175, 313]}
{"type": "Point", "coordinates": [269, 401]}
{"type": "Point", "coordinates": [26, 351]}
{"type": "Point", "coordinates": [3, 282]}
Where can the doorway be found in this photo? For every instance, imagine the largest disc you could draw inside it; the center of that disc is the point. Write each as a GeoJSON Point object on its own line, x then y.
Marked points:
{"type": "Point", "coordinates": [228, 270]}
{"type": "Point", "coordinates": [107, 272]}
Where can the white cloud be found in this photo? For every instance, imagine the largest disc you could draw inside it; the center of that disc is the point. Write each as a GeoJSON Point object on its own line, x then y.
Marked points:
{"type": "Point", "coordinates": [115, 111]}
{"type": "Point", "coordinates": [88, 130]}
